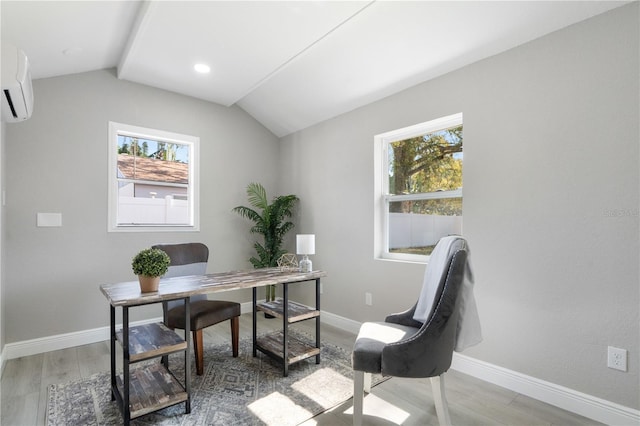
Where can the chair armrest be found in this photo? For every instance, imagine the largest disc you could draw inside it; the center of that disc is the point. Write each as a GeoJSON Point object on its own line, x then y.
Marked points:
{"type": "Point", "coordinates": [427, 353]}
{"type": "Point", "coordinates": [404, 318]}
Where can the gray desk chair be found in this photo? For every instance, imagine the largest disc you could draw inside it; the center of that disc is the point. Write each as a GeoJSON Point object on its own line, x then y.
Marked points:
{"type": "Point", "coordinates": [191, 259]}
{"type": "Point", "coordinates": [404, 347]}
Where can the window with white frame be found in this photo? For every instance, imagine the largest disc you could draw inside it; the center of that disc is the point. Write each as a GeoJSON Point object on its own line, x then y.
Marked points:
{"type": "Point", "coordinates": [153, 179]}
{"type": "Point", "coordinates": [418, 188]}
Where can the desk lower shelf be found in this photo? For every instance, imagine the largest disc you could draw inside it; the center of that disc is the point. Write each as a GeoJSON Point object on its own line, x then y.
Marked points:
{"type": "Point", "coordinates": [152, 388]}
{"type": "Point", "coordinates": [152, 340]}
{"type": "Point", "coordinates": [295, 312]}
{"type": "Point", "coordinates": [272, 345]}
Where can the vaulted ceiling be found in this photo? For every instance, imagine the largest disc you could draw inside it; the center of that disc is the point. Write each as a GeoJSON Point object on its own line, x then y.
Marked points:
{"type": "Point", "coordinates": [290, 64]}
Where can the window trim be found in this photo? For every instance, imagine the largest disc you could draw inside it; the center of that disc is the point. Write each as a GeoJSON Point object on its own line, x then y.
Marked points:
{"type": "Point", "coordinates": [382, 196]}
{"type": "Point", "coordinates": [193, 142]}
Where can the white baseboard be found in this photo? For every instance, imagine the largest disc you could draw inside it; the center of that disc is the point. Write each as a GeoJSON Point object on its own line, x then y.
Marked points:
{"type": "Point", "coordinates": [62, 341]}
{"type": "Point", "coordinates": [340, 322]}
{"type": "Point", "coordinates": [246, 307]}
{"type": "Point", "coordinates": [559, 396]}
{"type": "Point", "coordinates": [568, 399]}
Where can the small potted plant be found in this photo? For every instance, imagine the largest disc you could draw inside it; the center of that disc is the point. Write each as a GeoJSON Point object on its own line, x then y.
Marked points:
{"type": "Point", "coordinates": [150, 264]}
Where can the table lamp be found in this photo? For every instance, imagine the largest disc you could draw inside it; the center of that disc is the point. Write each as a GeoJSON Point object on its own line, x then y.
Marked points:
{"type": "Point", "coordinates": [305, 245]}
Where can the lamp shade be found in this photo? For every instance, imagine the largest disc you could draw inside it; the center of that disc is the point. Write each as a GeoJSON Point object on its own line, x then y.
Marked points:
{"type": "Point", "coordinates": [305, 244]}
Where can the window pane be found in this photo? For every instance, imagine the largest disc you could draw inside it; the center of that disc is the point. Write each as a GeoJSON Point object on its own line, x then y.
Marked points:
{"type": "Point", "coordinates": [427, 163]}
{"type": "Point", "coordinates": [145, 159]}
{"type": "Point", "coordinates": [153, 182]}
{"type": "Point", "coordinates": [416, 226]}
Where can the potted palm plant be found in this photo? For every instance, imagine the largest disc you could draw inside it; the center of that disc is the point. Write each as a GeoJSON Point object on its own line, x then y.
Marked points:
{"type": "Point", "coordinates": [271, 221]}
{"type": "Point", "coordinates": [150, 264]}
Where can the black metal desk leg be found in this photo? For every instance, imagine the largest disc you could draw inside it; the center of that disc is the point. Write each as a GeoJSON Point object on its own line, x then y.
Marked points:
{"type": "Point", "coordinates": [187, 353]}
{"type": "Point", "coordinates": [126, 379]}
{"type": "Point", "coordinates": [112, 321]}
{"type": "Point", "coordinates": [285, 329]}
{"type": "Point", "coordinates": [255, 322]}
{"type": "Point", "coordinates": [165, 320]}
{"type": "Point", "coordinates": [318, 319]}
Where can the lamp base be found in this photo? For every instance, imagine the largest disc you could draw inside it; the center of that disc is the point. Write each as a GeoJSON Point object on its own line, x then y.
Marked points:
{"type": "Point", "coordinates": [305, 265]}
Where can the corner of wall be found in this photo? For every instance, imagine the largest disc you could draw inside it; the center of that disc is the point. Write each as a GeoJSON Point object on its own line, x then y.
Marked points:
{"type": "Point", "coordinates": [2, 168]}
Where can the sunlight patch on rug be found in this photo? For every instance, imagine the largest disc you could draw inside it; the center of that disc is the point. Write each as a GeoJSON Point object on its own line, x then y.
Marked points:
{"type": "Point", "coordinates": [321, 387]}
{"type": "Point", "coordinates": [278, 409]}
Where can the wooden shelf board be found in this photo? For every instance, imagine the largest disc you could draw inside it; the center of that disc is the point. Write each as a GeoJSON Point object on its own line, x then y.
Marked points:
{"type": "Point", "coordinates": [151, 388]}
{"type": "Point", "coordinates": [297, 311]}
{"type": "Point", "coordinates": [298, 350]}
{"type": "Point", "coordinates": [152, 340]}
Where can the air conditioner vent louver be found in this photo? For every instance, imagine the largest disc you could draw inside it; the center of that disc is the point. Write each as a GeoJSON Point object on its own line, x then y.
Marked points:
{"type": "Point", "coordinates": [7, 96]}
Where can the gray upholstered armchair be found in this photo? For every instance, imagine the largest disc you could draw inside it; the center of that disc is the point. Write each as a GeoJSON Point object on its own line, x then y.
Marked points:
{"type": "Point", "coordinates": [191, 259]}
{"type": "Point", "coordinates": [404, 347]}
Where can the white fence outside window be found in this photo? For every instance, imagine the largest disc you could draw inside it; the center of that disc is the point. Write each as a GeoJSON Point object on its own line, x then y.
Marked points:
{"type": "Point", "coordinates": [167, 210]}
{"type": "Point", "coordinates": [420, 230]}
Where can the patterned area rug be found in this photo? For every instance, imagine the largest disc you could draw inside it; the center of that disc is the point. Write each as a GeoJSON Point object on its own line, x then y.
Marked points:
{"type": "Point", "coordinates": [232, 391]}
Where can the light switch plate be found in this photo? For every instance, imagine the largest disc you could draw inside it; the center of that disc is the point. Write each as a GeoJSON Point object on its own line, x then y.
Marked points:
{"type": "Point", "coordinates": [49, 220]}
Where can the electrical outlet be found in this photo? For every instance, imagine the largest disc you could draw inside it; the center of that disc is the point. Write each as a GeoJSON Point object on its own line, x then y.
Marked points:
{"type": "Point", "coordinates": [368, 299]}
{"type": "Point", "coordinates": [617, 358]}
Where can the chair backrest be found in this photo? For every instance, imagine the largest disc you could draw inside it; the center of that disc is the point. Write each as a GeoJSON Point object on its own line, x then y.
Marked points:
{"type": "Point", "coordinates": [186, 259]}
{"type": "Point", "coordinates": [435, 273]}
{"type": "Point", "coordinates": [443, 322]}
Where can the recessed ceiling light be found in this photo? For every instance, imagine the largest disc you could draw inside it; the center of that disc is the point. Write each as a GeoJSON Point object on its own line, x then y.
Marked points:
{"type": "Point", "coordinates": [202, 68]}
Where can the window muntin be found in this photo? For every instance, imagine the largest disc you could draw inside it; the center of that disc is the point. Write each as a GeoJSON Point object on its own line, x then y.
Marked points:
{"type": "Point", "coordinates": [419, 188]}
{"type": "Point", "coordinates": [153, 179]}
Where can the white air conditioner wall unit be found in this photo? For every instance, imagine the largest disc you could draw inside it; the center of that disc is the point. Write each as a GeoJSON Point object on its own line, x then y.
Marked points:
{"type": "Point", "coordinates": [17, 91]}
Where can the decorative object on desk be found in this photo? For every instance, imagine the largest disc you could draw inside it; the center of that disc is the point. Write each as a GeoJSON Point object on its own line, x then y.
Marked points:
{"type": "Point", "coordinates": [270, 221]}
{"type": "Point", "coordinates": [150, 264]}
{"type": "Point", "coordinates": [240, 391]}
{"type": "Point", "coordinates": [288, 262]}
{"type": "Point", "coordinates": [306, 245]}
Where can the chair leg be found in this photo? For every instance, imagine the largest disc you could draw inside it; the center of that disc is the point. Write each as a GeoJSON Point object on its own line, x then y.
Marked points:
{"type": "Point", "coordinates": [198, 351]}
{"type": "Point", "coordinates": [235, 333]}
{"type": "Point", "coordinates": [358, 397]}
{"type": "Point", "coordinates": [440, 399]}
{"type": "Point", "coordinates": [367, 382]}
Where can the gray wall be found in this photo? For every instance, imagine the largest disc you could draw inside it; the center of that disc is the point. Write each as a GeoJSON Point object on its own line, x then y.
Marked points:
{"type": "Point", "coordinates": [551, 202]}
{"type": "Point", "coordinates": [57, 162]}
{"type": "Point", "coordinates": [2, 230]}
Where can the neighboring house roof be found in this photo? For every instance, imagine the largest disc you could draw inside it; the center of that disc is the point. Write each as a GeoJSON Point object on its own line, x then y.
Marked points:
{"type": "Point", "coordinates": [151, 169]}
